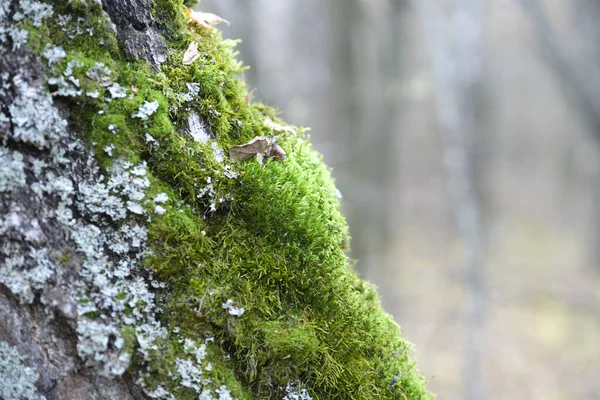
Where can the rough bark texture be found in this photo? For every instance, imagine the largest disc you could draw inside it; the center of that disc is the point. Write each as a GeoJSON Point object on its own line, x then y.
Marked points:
{"type": "Point", "coordinates": [137, 30]}
{"type": "Point", "coordinates": [136, 260]}
{"type": "Point", "coordinates": [38, 309]}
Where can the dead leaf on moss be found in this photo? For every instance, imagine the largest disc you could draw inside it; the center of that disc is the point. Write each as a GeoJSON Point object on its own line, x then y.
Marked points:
{"type": "Point", "coordinates": [278, 153]}
{"type": "Point", "coordinates": [205, 20]}
{"type": "Point", "coordinates": [191, 54]}
{"type": "Point", "coordinates": [134, 91]}
{"type": "Point", "coordinates": [260, 147]}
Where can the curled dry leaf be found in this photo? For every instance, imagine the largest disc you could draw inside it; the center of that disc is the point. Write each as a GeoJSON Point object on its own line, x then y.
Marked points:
{"type": "Point", "coordinates": [277, 152]}
{"type": "Point", "coordinates": [261, 146]}
{"type": "Point", "coordinates": [258, 145]}
{"type": "Point", "coordinates": [205, 20]}
{"type": "Point", "coordinates": [134, 91]}
{"type": "Point", "coordinates": [191, 54]}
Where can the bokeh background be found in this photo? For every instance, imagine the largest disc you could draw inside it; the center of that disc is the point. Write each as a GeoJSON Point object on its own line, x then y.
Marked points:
{"type": "Point", "coordinates": [464, 136]}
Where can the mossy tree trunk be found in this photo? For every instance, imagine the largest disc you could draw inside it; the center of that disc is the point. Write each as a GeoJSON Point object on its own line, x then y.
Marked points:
{"type": "Point", "coordinates": [137, 260]}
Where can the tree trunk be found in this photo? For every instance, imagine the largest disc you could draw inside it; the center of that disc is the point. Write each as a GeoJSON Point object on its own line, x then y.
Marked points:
{"type": "Point", "coordinates": [457, 67]}
{"type": "Point", "coordinates": [138, 260]}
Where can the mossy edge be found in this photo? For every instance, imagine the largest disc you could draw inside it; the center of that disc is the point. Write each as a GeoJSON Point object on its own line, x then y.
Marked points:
{"type": "Point", "coordinates": [272, 238]}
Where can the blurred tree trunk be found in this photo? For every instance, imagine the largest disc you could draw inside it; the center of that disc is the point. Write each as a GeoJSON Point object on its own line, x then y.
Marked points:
{"type": "Point", "coordinates": [586, 17]}
{"type": "Point", "coordinates": [568, 66]}
{"type": "Point", "coordinates": [575, 61]}
{"type": "Point", "coordinates": [453, 30]}
{"type": "Point", "coordinates": [347, 31]}
{"type": "Point", "coordinates": [390, 128]}
{"type": "Point", "coordinates": [366, 61]}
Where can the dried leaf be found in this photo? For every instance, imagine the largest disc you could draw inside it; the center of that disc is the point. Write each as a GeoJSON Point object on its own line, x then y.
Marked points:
{"type": "Point", "coordinates": [134, 91]}
{"type": "Point", "coordinates": [205, 20]}
{"type": "Point", "coordinates": [191, 54]}
{"type": "Point", "coordinates": [278, 153]}
{"type": "Point", "coordinates": [278, 127]}
{"type": "Point", "coordinates": [261, 146]}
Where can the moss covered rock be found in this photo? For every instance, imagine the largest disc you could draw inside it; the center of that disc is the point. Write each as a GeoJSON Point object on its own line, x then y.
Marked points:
{"type": "Point", "coordinates": [178, 271]}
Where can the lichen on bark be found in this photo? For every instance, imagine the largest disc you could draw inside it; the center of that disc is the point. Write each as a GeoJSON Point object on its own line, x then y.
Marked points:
{"type": "Point", "coordinates": [138, 260]}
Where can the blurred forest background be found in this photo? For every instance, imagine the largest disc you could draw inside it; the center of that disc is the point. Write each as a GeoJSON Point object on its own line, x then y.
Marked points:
{"type": "Point", "coordinates": [464, 136]}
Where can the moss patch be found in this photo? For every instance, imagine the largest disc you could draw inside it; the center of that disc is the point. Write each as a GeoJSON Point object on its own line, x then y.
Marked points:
{"type": "Point", "coordinates": [225, 235]}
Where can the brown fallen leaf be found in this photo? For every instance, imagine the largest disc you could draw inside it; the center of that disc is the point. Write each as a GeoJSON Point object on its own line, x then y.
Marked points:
{"type": "Point", "coordinates": [258, 145]}
{"type": "Point", "coordinates": [278, 153]}
{"type": "Point", "coordinates": [261, 146]}
{"type": "Point", "coordinates": [205, 20]}
{"type": "Point", "coordinates": [191, 54]}
{"type": "Point", "coordinates": [134, 91]}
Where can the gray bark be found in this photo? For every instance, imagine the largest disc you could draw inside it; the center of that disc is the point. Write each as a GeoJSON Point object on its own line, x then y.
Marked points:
{"type": "Point", "coordinates": [43, 213]}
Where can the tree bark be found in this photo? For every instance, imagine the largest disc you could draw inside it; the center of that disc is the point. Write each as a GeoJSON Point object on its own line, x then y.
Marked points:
{"type": "Point", "coordinates": [137, 260]}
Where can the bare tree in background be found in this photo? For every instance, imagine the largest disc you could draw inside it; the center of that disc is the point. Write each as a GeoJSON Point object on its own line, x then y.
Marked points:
{"type": "Point", "coordinates": [366, 57]}
{"type": "Point", "coordinates": [576, 66]}
{"type": "Point", "coordinates": [567, 65]}
{"type": "Point", "coordinates": [453, 30]}
{"type": "Point", "coordinates": [586, 15]}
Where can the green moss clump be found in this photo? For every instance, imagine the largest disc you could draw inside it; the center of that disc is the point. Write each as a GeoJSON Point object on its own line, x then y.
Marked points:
{"type": "Point", "coordinates": [269, 239]}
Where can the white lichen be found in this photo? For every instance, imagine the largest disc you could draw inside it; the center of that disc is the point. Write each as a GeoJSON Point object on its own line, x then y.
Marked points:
{"type": "Point", "coordinates": [109, 148]}
{"type": "Point", "coordinates": [217, 152]}
{"type": "Point", "coordinates": [190, 375]}
{"type": "Point", "coordinates": [93, 345]}
{"type": "Point", "coordinates": [193, 90]}
{"type": "Point", "coordinates": [148, 334]}
{"type": "Point", "coordinates": [229, 173]}
{"type": "Point", "coordinates": [17, 381]}
{"type": "Point", "coordinates": [296, 391]}
{"type": "Point", "coordinates": [33, 10]}
{"type": "Point", "coordinates": [12, 173]}
{"type": "Point", "coordinates": [97, 200]}
{"type": "Point", "coordinates": [146, 110]}
{"type": "Point", "coordinates": [100, 73]}
{"type": "Point", "coordinates": [160, 393]}
{"type": "Point", "coordinates": [18, 37]}
{"type": "Point", "coordinates": [34, 119]}
{"type": "Point", "coordinates": [161, 198]}
{"type": "Point", "coordinates": [199, 352]}
{"type": "Point", "coordinates": [197, 130]}
{"type": "Point", "coordinates": [117, 91]}
{"type": "Point", "coordinates": [150, 139]}
{"type": "Point", "coordinates": [232, 309]}
{"type": "Point", "coordinates": [224, 393]}
{"type": "Point", "coordinates": [54, 54]}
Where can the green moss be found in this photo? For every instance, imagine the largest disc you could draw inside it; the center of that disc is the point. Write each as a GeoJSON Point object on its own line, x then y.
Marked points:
{"type": "Point", "coordinates": [76, 24]}
{"type": "Point", "coordinates": [64, 258]}
{"type": "Point", "coordinates": [272, 239]}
